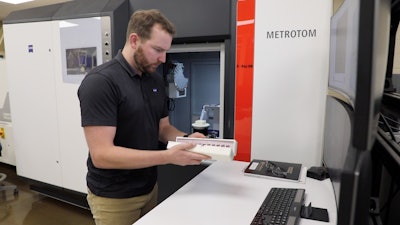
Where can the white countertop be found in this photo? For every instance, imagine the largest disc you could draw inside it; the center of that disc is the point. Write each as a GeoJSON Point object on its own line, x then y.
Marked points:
{"type": "Point", "coordinates": [222, 194]}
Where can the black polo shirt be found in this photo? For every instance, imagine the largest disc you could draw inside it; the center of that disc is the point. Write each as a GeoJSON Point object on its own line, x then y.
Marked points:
{"type": "Point", "coordinates": [112, 94]}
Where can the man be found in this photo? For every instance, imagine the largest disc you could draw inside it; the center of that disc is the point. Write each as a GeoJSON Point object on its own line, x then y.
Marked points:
{"type": "Point", "coordinates": [124, 115]}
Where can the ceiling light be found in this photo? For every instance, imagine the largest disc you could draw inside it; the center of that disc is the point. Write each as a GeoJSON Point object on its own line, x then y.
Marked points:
{"type": "Point", "coordinates": [15, 1]}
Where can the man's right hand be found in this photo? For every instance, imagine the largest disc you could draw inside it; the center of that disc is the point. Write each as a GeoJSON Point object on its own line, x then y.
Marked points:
{"type": "Point", "coordinates": [180, 155]}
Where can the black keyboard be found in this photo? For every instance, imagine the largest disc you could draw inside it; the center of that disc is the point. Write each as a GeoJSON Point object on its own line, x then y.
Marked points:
{"type": "Point", "coordinates": [281, 206]}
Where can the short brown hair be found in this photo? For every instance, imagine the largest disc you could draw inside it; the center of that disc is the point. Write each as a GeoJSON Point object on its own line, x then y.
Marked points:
{"type": "Point", "coordinates": [142, 21]}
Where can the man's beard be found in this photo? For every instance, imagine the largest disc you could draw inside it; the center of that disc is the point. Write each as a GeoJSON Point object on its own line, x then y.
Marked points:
{"type": "Point", "coordinates": [141, 62]}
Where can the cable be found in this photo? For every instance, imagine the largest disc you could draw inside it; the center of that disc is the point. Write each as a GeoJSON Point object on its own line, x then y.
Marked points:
{"type": "Point", "coordinates": [392, 120]}
{"type": "Point", "coordinates": [171, 104]}
{"type": "Point", "coordinates": [392, 127]}
{"type": "Point", "coordinates": [388, 127]}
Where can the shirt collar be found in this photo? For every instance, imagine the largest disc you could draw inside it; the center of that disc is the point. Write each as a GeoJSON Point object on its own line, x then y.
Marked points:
{"type": "Point", "coordinates": [131, 71]}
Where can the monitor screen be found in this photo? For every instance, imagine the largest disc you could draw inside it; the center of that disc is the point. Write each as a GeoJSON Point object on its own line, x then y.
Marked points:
{"type": "Point", "coordinates": [343, 51]}
{"type": "Point", "coordinates": [358, 61]}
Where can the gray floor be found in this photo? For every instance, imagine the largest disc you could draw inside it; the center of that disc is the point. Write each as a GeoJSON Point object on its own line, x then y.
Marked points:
{"type": "Point", "coordinates": [31, 208]}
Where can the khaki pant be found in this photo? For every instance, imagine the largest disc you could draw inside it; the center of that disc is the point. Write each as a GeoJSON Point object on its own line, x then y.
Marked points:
{"type": "Point", "coordinates": [126, 211]}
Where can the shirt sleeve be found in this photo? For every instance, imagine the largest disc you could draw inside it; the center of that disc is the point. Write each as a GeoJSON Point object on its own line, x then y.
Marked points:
{"type": "Point", "coordinates": [98, 101]}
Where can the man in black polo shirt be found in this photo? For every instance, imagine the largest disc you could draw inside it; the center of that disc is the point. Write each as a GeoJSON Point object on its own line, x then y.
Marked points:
{"type": "Point", "coordinates": [124, 115]}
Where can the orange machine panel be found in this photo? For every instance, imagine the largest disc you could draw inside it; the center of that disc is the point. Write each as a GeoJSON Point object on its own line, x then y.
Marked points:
{"type": "Point", "coordinates": [244, 77]}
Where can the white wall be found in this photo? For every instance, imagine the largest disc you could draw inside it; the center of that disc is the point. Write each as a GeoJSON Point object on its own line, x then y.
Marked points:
{"type": "Point", "coordinates": [396, 61]}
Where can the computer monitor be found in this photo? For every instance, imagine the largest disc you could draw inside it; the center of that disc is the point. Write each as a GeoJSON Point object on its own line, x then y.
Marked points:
{"type": "Point", "coordinates": [358, 61]}
{"type": "Point", "coordinates": [349, 168]}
